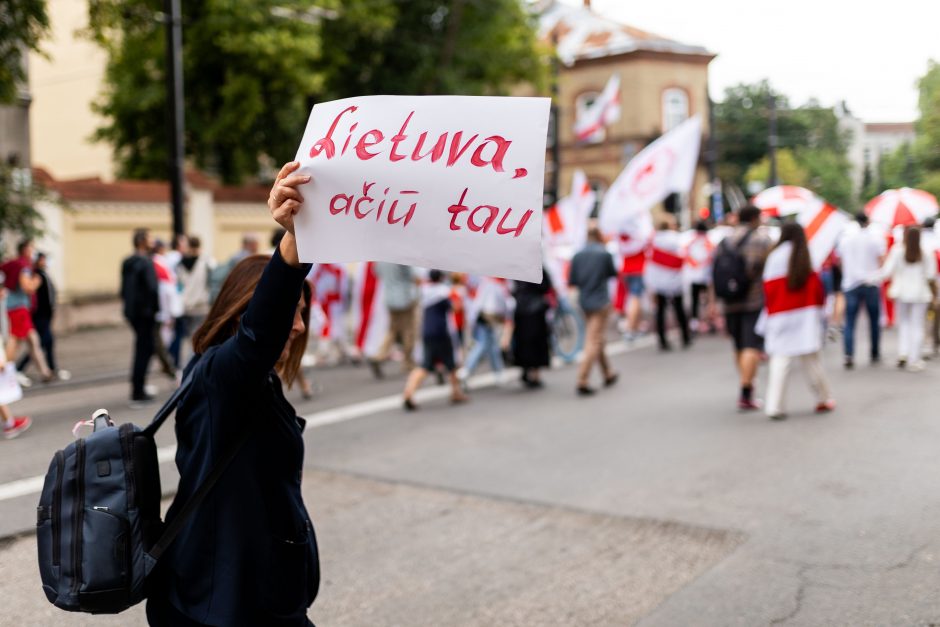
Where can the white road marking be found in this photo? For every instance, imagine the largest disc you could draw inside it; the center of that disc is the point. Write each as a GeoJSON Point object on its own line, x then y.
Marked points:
{"type": "Point", "coordinates": [33, 485]}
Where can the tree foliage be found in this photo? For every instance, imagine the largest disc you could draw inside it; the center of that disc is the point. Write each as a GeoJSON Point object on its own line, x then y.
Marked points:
{"type": "Point", "coordinates": [23, 24]}
{"type": "Point", "coordinates": [18, 197]}
{"type": "Point", "coordinates": [470, 47]}
{"type": "Point", "coordinates": [253, 69]}
{"type": "Point", "coordinates": [809, 135]}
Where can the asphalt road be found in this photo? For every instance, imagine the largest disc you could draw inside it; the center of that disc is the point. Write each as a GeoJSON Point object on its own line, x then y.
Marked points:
{"type": "Point", "coordinates": [654, 503]}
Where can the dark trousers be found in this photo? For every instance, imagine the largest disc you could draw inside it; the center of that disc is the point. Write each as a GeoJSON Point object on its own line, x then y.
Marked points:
{"type": "Point", "coordinates": [697, 290]}
{"type": "Point", "coordinates": [180, 333]}
{"type": "Point", "coordinates": [868, 296]}
{"type": "Point", "coordinates": [143, 352]}
{"type": "Point", "coordinates": [46, 341]}
{"type": "Point", "coordinates": [662, 302]}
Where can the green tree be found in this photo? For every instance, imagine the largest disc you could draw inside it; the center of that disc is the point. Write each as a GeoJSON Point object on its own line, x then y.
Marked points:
{"type": "Point", "coordinates": [470, 47]}
{"type": "Point", "coordinates": [248, 73]}
{"type": "Point", "coordinates": [18, 196]}
{"type": "Point", "coordinates": [927, 145]}
{"type": "Point", "coordinates": [253, 69]}
{"type": "Point", "coordinates": [789, 170]}
{"type": "Point", "coordinates": [810, 133]}
{"type": "Point", "coordinates": [23, 24]}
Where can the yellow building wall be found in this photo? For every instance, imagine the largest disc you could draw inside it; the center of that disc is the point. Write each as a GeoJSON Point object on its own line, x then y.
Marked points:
{"type": "Point", "coordinates": [63, 87]}
{"type": "Point", "coordinates": [96, 237]}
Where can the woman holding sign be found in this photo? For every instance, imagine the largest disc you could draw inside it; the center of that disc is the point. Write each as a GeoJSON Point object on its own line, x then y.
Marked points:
{"type": "Point", "coordinates": [247, 555]}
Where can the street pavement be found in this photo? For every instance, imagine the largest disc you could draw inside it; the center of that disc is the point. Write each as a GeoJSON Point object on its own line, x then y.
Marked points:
{"type": "Point", "coordinates": [653, 503]}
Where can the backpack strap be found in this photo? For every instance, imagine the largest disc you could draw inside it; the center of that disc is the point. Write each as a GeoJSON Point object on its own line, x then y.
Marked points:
{"type": "Point", "coordinates": [173, 529]}
{"type": "Point", "coordinates": [741, 242]}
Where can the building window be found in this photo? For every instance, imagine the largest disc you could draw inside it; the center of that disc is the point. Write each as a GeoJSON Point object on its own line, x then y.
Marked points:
{"type": "Point", "coordinates": [675, 108]}
{"type": "Point", "coordinates": [581, 105]}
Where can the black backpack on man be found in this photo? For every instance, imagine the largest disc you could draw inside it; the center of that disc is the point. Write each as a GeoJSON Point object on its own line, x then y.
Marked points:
{"type": "Point", "coordinates": [730, 276]}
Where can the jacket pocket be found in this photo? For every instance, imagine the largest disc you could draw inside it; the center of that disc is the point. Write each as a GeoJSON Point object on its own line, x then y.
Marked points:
{"type": "Point", "coordinates": [286, 583]}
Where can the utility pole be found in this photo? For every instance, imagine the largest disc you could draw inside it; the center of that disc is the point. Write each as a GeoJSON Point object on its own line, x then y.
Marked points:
{"type": "Point", "coordinates": [174, 91]}
{"type": "Point", "coordinates": [772, 141]}
{"type": "Point", "coordinates": [717, 209]}
{"type": "Point", "coordinates": [551, 198]}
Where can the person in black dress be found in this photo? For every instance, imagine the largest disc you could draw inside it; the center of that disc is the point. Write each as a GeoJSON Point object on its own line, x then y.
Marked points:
{"type": "Point", "coordinates": [531, 336]}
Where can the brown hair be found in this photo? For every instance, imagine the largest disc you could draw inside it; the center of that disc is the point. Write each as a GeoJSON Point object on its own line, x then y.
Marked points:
{"type": "Point", "coordinates": [232, 302]}
{"type": "Point", "coordinates": [912, 252]}
{"type": "Point", "coordinates": [800, 266]}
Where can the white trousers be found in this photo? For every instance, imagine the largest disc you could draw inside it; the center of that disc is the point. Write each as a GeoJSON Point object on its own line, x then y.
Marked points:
{"type": "Point", "coordinates": [780, 368]}
{"type": "Point", "coordinates": [911, 319]}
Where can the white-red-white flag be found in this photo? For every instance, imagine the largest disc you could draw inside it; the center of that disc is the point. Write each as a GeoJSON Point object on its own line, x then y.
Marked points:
{"type": "Point", "coordinates": [792, 320]}
{"type": "Point", "coordinates": [604, 111]}
{"type": "Point", "coordinates": [823, 225]}
{"type": "Point", "coordinates": [370, 311]}
{"type": "Point", "coordinates": [665, 166]}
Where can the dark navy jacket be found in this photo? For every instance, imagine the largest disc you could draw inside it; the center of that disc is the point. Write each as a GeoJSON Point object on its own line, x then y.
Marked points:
{"type": "Point", "coordinates": [248, 556]}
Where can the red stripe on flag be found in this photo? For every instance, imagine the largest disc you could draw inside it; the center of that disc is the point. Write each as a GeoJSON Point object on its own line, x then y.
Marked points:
{"type": "Point", "coordinates": [553, 218]}
{"type": "Point", "coordinates": [368, 296]}
{"type": "Point", "coordinates": [665, 258]}
{"type": "Point", "coordinates": [779, 298]}
{"type": "Point", "coordinates": [818, 220]}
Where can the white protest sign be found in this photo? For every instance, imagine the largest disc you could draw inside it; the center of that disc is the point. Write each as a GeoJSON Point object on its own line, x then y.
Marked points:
{"type": "Point", "coordinates": [448, 182]}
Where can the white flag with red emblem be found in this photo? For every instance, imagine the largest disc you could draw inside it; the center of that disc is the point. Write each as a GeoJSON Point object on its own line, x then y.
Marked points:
{"type": "Point", "coordinates": [823, 225]}
{"type": "Point", "coordinates": [604, 111]}
{"type": "Point", "coordinates": [665, 166]}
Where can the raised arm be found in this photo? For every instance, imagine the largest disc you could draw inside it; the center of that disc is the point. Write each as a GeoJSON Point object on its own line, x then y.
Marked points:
{"type": "Point", "coordinates": [266, 324]}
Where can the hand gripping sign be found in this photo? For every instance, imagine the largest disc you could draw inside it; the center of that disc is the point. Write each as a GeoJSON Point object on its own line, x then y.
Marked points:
{"type": "Point", "coordinates": [448, 182]}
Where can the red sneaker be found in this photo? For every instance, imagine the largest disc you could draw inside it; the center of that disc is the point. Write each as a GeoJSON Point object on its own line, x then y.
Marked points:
{"type": "Point", "coordinates": [826, 407]}
{"type": "Point", "coordinates": [745, 404]}
{"type": "Point", "coordinates": [20, 424]}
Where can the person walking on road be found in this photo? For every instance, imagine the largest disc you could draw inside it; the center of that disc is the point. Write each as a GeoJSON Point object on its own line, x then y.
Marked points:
{"type": "Point", "coordinates": [633, 243]}
{"type": "Point", "coordinates": [401, 299]}
{"type": "Point", "coordinates": [913, 275]}
{"type": "Point", "coordinates": [530, 333]}
{"type": "Point", "coordinates": [42, 314]}
{"type": "Point", "coordinates": [698, 254]}
{"type": "Point", "coordinates": [437, 344]}
{"type": "Point", "coordinates": [21, 284]}
{"type": "Point", "coordinates": [745, 248]}
{"type": "Point", "coordinates": [13, 426]}
{"type": "Point", "coordinates": [663, 276]}
{"type": "Point", "coordinates": [591, 268]}
{"type": "Point", "coordinates": [490, 316]}
{"type": "Point", "coordinates": [862, 253]}
{"type": "Point", "coordinates": [794, 320]}
{"type": "Point", "coordinates": [193, 274]}
{"type": "Point", "coordinates": [248, 555]}
{"type": "Point", "coordinates": [141, 303]}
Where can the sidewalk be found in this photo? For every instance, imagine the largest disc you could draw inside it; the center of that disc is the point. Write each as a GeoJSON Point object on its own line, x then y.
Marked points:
{"type": "Point", "coordinates": [92, 356]}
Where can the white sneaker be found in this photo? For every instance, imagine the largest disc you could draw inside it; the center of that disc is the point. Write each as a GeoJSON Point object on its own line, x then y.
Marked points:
{"type": "Point", "coordinates": [917, 366]}
{"type": "Point", "coordinates": [63, 375]}
{"type": "Point", "coordinates": [23, 379]}
{"type": "Point", "coordinates": [150, 390]}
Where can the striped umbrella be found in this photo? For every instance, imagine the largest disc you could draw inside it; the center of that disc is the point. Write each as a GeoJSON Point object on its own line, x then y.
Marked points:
{"type": "Point", "coordinates": [901, 207]}
{"type": "Point", "coordinates": [783, 200]}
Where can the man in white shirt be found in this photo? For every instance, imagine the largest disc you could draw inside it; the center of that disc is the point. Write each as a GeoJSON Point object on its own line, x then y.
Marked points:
{"type": "Point", "coordinates": [861, 253]}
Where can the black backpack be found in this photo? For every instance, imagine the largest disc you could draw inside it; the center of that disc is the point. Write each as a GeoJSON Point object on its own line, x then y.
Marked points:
{"type": "Point", "coordinates": [730, 277]}
{"type": "Point", "coordinates": [98, 525]}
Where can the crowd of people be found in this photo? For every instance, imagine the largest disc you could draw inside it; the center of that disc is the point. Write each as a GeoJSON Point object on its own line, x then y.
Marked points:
{"type": "Point", "coordinates": [27, 309]}
{"type": "Point", "coordinates": [448, 324]}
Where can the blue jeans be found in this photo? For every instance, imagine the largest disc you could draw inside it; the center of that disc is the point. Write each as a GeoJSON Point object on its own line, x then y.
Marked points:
{"type": "Point", "coordinates": [870, 297]}
{"type": "Point", "coordinates": [485, 342]}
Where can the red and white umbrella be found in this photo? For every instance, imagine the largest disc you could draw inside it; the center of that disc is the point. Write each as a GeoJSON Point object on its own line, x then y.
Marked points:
{"type": "Point", "coordinates": [901, 207]}
{"type": "Point", "coordinates": [784, 200]}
